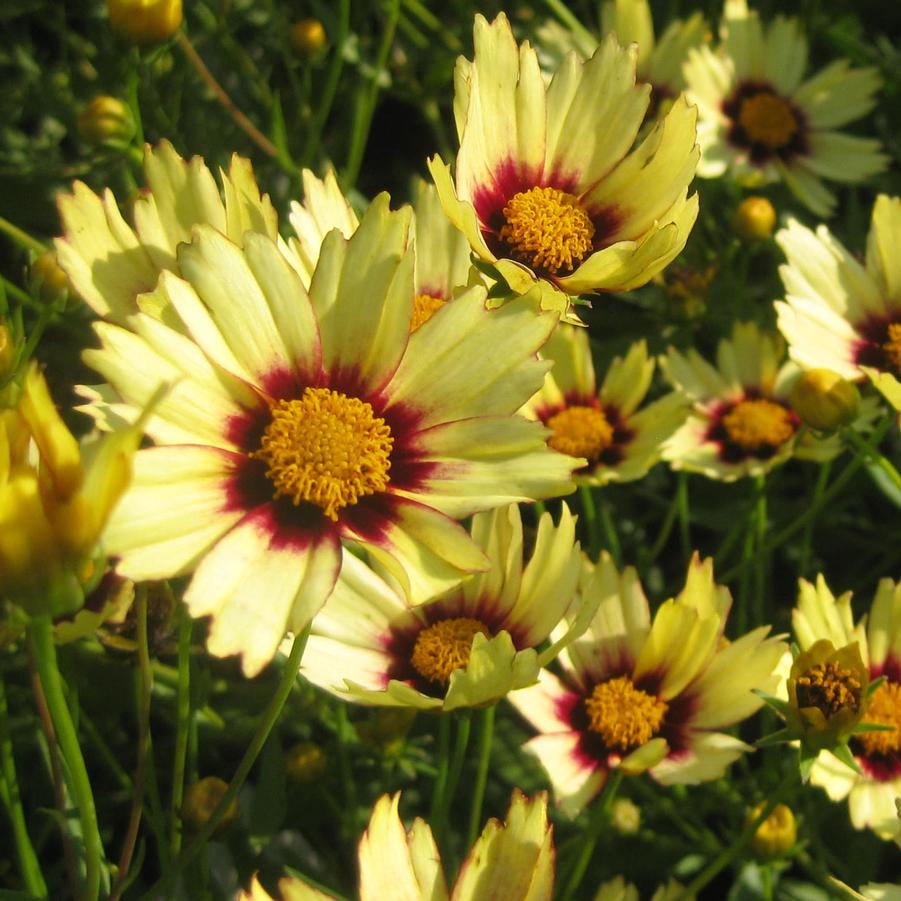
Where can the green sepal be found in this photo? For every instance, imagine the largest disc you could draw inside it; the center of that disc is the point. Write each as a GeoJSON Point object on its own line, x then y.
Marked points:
{"type": "Point", "coordinates": [808, 758]}
{"type": "Point", "coordinates": [873, 686]}
{"type": "Point", "coordinates": [492, 273]}
{"type": "Point", "coordinates": [843, 753]}
{"type": "Point", "coordinates": [795, 650]}
{"type": "Point", "coordinates": [781, 707]}
{"type": "Point", "coordinates": [775, 738]}
{"type": "Point", "coordinates": [872, 727]}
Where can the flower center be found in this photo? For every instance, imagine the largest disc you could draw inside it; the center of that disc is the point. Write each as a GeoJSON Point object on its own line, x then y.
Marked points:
{"type": "Point", "coordinates": [830, 687]}
{"type": "Point", "coordinates": [580, 432]}
{"type": "Point", "coordinates": [327, 449]}
{"type": "Point", "coordinates": [547, 229]}
{"type": "Point", "coordinates": [891, 347]}
{"type": "Point", "coordinates": [424, 307]}
{"type": "Point", "coordinates": [768, 120]}
{"type": "Point", "coordinates": [885, 709]}
{"type": "Point", "coordinates": [445, 646]}
{"type": "Point", "coordinates": [755, 424]}
{"type": "Point", "coordinates": [624, 716]}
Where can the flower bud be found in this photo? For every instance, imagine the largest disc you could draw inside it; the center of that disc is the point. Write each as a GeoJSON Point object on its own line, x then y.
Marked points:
{"type": "Point", "coordinates": [776, 835]}
{"type": "Point", "coordinates": [106, 122]}
{"type": "Point", "coordinates": [625, 816]}
{"type": "Point", "coordinates": [144, 22]}
{"type": "Point", "coordinates": [824, 400]}
{"type": "Point", "coordinates": [7, 350]}
{"type": "Point", "coordinates": [754, 219]}
{"type": "Point", "coordinates": [386, 732]}
{"type": "Point", "coordinates": [48, 281]}
{"type": "Point", "coordinates": [308, 37]}
{"type": "Point", "coordinates": [305, 762]}
{"type": "Point", "coordinates": [201, 799]}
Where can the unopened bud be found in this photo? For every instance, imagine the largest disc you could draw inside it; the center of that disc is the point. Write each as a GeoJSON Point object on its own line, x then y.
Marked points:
{"type": "Point", "coordinates": [308, 37]}
{"type": "Point", "coordinates": [625, 816]}
{"type": "Point", "coordinates": [201, 799]}
{"type": "Point", "coordinates": [305, 762]}
{"type": "Point", "coordinates": [106, 122]}
{"type": "Point", "coordinates": [144, 22]}
{"type": "Point", "coordinates": [776, 835]}
{"type": "Point", "coordinates": [7, 350]}
{"type": "Point", "coordinates": [824, 400]}
{"type": "Point", "coordinates": [48, 281]}
{"type": "Point", "coordinates": [754, 219]}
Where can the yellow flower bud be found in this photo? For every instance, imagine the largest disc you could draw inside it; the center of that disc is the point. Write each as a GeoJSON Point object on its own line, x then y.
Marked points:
{"type": "Point", "coordinates": [48, 281]}
{"type": "Point", "coordinates": [201, 799]}
{"type": "Point", "coordinates": [824, 400]}
{"type": "Point", "coordinates": [776, 835]}
{"type": "Point", "coordinates": [305, 762]}
{"type": "Point", "coordinates": [52, 510]}
{"type": "Point", "coordinates": [754, 219]}
{"type": "Point", "coordinates": [308, 37]}
{"type": "Point", "coordinates": [625, 816]}
{"type": "Point", "coordinates": [144, 22]}
{"type": "Point", "coordinates": [7, 351]}
{"type": "Point", "coordinates": [387, 730]}
{"type": "Point", "coordinates": [106, 122]}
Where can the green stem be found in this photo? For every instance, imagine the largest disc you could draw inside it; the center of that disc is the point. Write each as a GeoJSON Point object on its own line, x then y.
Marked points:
{"type": "Point", "coordinates": [32, 876]}
{"type": "Point", "coordinates": [871, 454]}
{"type": "Point", "coordinates": [182, 730]}
{"type": "Point", "coordinates": [666, 528]}
{"type": "Point", "coordinates": [486, 734]}
{"type": "Point", "coordinates": [440, 782]}
{"type": "Point", "coordinates": [611, 538]}
{"type": "Point", "coordinates": [327, 97]}
{"type": "Point", "coordinates": [145, 691]}
{"type": "Point", "coordinates": [589, 511]}
{"type": "Point", "coordinates": [40, 629]}
{"type": "Point", "coordinates": [20, 237]}
{"type": "Point", "coordinates": [163, 886]}
{"type": "Point", "coordinates": [684, 521]}
{"type": "Point", "coordinates": [565, 15]}
{"type": "Point", "coordinates": [366, 100]}
{"type": "Point", "coordinates": [599, 818]}
{"type": "Point", "coordinates": [760, 555]}
{"type": "Point", "coordinates": [464, 722]}
{"type": "Point", "coordinates": [729, 853]}
{"type": "Point", "coordinates": [347, 776]}
{"type": "Point", "coordinates": [807, 536]}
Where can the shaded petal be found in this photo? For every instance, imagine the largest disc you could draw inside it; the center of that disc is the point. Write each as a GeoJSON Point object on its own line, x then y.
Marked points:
{"type": "Point", "coordinates": [258, 584]}
{"type": "Point", "coordinates": [883, 259]}
{"type": "Point", "coordinates": [575, 778]}
{"type": "Point", "coordinates": [838, 94]}
{"type": "Point", "coordinates": [709, 756]}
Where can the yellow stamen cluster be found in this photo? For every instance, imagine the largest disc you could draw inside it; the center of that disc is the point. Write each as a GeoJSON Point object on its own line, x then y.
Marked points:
{"type": "Point", "coordinates": [767, 119]}
{"type": "Point", "coordinates": [327, 449]}
{"type": "Point", "coordinates": [891, 347]}
{"type": "Point", "coordinates": [754, 424]}
{"type": "Point", "coordinates": [830, 687]}
{"type": "Point", "coordinates": [445, 646]}
{"type": "Point", "coordinates": [580, 432]}
{"type": "Point", "coordinates": [424, 307]}
{"type": "Point", "coordinates": [547, 229]}
{"type": "Point", "coordinates": [884, 708]}
{"type": "Point", "coordinates": [624, 716]}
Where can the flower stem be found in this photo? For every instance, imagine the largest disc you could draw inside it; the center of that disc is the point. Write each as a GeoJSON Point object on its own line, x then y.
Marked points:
{"type": "Point", "coordinates": [182, 729]}
{"type": "Point", "coordinates": [591, 520]}
{"type": "Point", "coordinates": [32, 876]}
{"type": "Point", "coordinates": [22, 238]}
{"type": "Point", "coordinates": [871, 454]}
{"type": "Point", "coordinates": [163, 886]}
{"type": "Point", "coordinates": [457, 758]}
{"type": "Point", "coordinates": [729, 853]}
{"type": "Point", "coordinates": [486, 734]}
{"type": "Point", "coordinates": [599, 817]}
{"type": "Point", "coordinates": [611, 537]}
{"type": "Point", "coordinates": [807, 535]}
{"type": "Point", "coordinates": [565, 15]}
{"type": "Point", "coordinates": [760, 554]}
{"type": "Point", "coordinates": [40, 629]}
{"type": "Point", "coordinates": [443, 763]}
{"type": "Point", "coordinates": [684, 521]}
{"type": "Point", "coordinates": [366, 99]}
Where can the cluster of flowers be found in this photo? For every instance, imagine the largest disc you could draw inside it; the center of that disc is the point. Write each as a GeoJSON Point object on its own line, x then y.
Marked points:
{"type": "Point", "coordinates": [325, 409]}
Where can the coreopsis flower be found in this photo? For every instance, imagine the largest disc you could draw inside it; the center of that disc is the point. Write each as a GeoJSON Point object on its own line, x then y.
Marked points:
{"type": "Point", "coordinates": [645, 694]}
{"type": "Point", "coordinates": [466, 649]}
{"type": "Point", "coordinates": [546, 189]}
{"type": "Point", "coordinates": [761, 122]}
{"type": "Point", "coordinates": [302, 420]}
{"type": "Point", "coordinates": [741, 422]}
{"type": "Point", "coordinates": [820, 616]}
{"type": "Point", "coordinates": [839, 314]}
{"type": "Point", "coordinates": [513, 860]}
{"type": "Point", "coordinates": [441, 252]}
{"type": "Point", "coordinates": [110, 264]}
{"type": "Point", "coordinates": [620, 441]}
{"type": "Point", "coordinates": [55, 500]}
